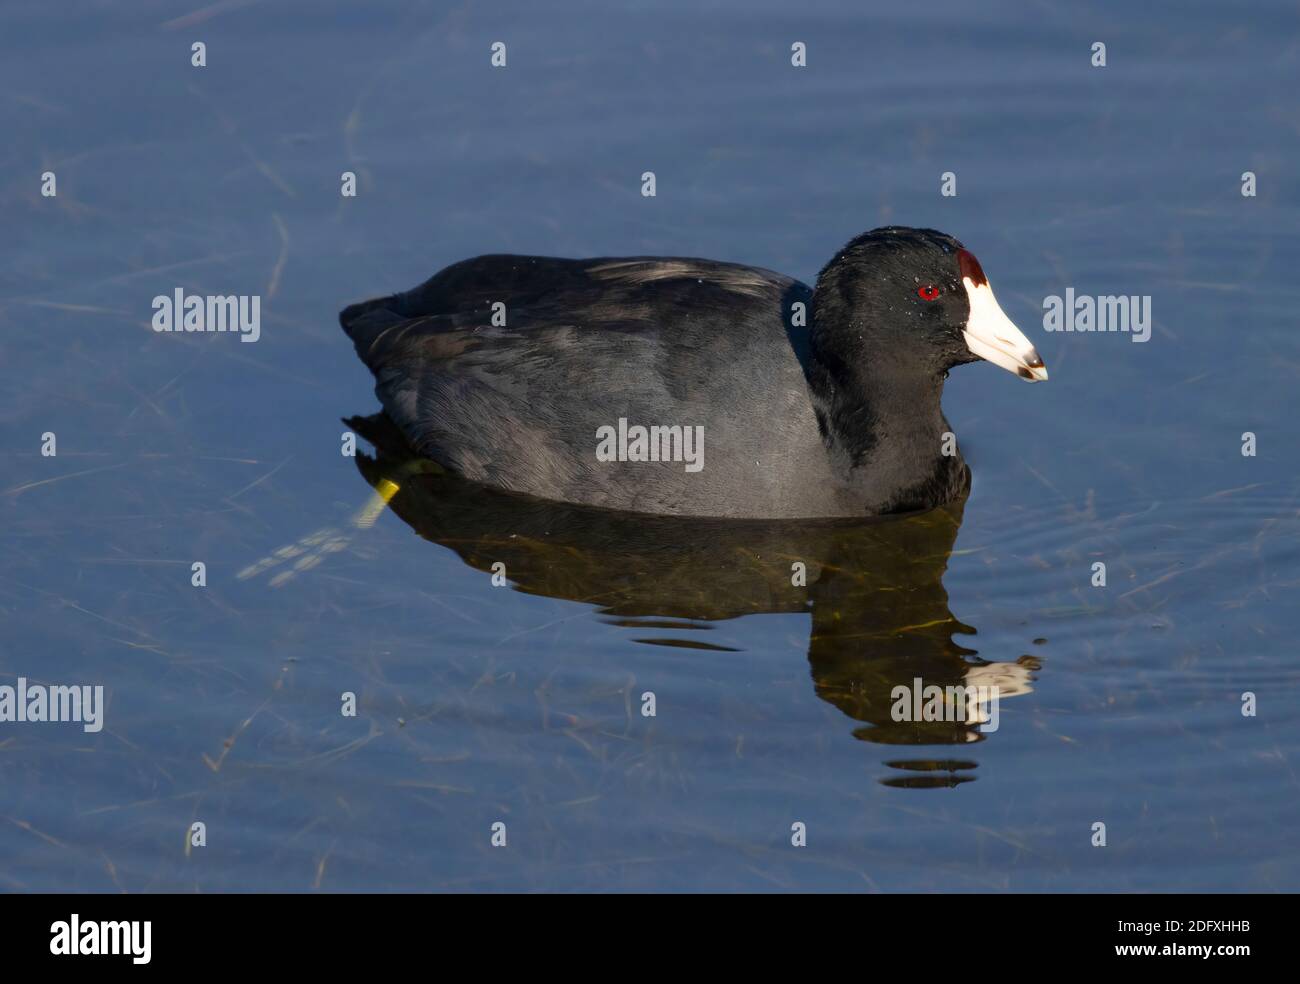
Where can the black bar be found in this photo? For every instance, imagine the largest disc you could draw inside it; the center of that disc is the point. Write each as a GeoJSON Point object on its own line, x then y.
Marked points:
{"type": "Point", "coordinates": [364, 933]}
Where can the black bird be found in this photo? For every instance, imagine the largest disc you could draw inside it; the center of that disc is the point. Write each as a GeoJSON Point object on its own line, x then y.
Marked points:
{"type": "Point", "coordinates": [691, 387]}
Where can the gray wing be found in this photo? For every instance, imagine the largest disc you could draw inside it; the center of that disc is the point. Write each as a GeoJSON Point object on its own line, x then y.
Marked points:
{"type": "Point", "coordinates": [657, 341]}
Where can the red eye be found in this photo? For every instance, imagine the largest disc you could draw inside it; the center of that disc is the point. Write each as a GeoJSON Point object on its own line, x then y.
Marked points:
{"type": "Point", "coordinates": [927, 293]}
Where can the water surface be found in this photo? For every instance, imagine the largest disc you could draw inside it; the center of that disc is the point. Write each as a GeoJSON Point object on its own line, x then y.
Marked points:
{"type": "Point", "coordinates": [522, 704]}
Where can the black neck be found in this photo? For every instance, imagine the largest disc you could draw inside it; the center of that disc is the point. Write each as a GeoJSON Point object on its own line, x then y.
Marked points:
{"type": "Point", "coordinates": [883, 425]}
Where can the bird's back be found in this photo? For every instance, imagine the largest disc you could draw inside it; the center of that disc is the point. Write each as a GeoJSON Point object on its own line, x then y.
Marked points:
{"type": "Point", "coordinates": [507, 368]}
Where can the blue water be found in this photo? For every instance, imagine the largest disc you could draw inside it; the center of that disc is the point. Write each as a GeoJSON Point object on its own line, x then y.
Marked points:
{"type": "Point", "coordinates": [479, 704]}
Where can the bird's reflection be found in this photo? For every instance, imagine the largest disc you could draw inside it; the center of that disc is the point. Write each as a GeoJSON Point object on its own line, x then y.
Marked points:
{"type": "Point", "coordinates": [873, 589]}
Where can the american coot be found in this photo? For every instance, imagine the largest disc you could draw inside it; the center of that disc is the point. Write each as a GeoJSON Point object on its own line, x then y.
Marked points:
{"type": "Point", "coordinates": [691, 387]}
